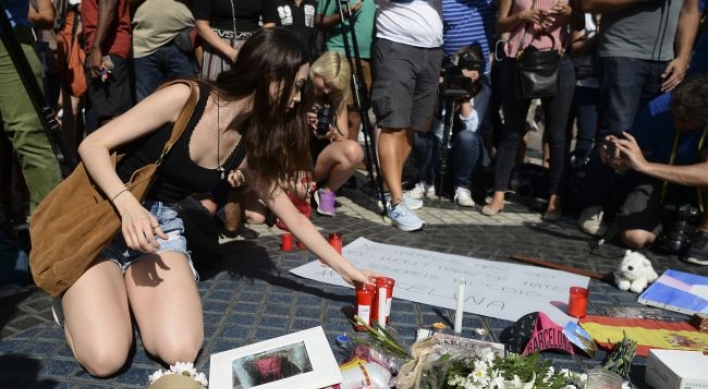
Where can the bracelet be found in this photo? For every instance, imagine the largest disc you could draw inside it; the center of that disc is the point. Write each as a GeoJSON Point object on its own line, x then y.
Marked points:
{"type": "Point", "coordinates": [118, 194]}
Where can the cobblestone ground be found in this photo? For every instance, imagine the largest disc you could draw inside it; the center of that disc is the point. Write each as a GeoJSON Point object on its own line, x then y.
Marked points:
{"type": "Point", "coordinates": [250, 296]}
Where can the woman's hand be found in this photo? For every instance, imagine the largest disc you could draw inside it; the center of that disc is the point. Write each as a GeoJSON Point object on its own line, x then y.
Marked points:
{"type": "Point", "coordinates": [360, 276]}
{"type": "Point", "coordinates": [532, 16]}
{"type": "Point", "coordinates": [561, 8]}
{"type": "Point", "coordinates": [236, 178]}
{"type": "Point", "coordinates": [139, 226]}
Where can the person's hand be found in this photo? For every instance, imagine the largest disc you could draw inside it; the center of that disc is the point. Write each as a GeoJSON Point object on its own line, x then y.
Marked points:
{"type": "Point", "coordinates": [360, 276]}
{"type": "Point", "coordinates": [236, 178]}
{"type": "Point", "coordinates": [94, 62]}
{"type": "Point", "coordinates": [312, 119]}
{"type": "Point", "coordinates": [139, 226]}
{"type": "Point", "coordinates": [532, 16]}
{"type": "Point", "coordinates": [354, 8]}
{"type": "Point", "coordinates": [471, 74]}
{"type": "Point", "coordinates": [673, 74]}
{"type": "Point", "coordinates": [632, 156]}
{"type": "Point", "coordinates": [561, 8]}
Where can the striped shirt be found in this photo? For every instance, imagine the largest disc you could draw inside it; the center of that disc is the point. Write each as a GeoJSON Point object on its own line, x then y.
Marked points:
{"type": "Point", "coordinates": [468, 22]}
{"type": "Point", "coordinates": [536, 35]}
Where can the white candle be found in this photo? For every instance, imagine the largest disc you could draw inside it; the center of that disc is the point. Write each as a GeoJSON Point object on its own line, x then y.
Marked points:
{"type": "Point", "coordinates": [382, 307]}
{"type": "Point", "coordinates": [459, 312]}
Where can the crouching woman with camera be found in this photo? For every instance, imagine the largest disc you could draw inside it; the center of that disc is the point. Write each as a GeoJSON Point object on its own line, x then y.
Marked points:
{"type": "Point", "coordinates": [336, 157]}
{"type": "Point", "coordinates": [666, 161]}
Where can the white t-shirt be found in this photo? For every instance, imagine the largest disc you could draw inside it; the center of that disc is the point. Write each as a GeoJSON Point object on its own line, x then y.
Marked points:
{"type": "Point", "coordinates": [411, 22]}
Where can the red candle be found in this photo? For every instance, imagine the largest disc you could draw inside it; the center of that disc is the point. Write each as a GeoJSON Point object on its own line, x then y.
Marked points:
{"type": "Point", "coordinates": [365, 297]}
{"type": "Point", "coordinates": [335, 240]}
{"type": "Point", "coordinates": [385, 283]}
{"type": "Point", "coordinates": [578, 301]}
{"type": "Point", "coordinates": [286, 242]}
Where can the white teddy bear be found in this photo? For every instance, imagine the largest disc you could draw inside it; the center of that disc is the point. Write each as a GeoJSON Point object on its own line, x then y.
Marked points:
{"type": "Point", "coordinates": [635, 272]}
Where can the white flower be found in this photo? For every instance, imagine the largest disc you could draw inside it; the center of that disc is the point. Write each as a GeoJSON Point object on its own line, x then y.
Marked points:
{"type": "Point", "coordinates": [497, 382]}
{"type": "Point", "coordinates": [569, 387]}
{"type": "Point", "coordinates": [479, 375]}
{"type": "Point", "coordinates": [184, 368]}
{"type": "Point", "coordinates": [181, 368]}
{"type": "Point", "coordinates": [581, 380]}
{"type": "Point", "coordinates": [156, 376]}
{"type": "Point", "coordinates": [626, 385]}
{"type": "Point", "coordinates": [202, 379]}
{"type": "Point", "coordinates": [549, 374]}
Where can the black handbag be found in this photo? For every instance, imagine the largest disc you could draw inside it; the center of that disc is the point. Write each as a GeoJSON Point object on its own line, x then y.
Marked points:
{"type": "Point", "coordinates": [537, 71]}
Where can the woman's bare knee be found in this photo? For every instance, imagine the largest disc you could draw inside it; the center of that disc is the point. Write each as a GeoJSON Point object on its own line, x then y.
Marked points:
{"type": "Point", "coordinates": [637, 239]}
{"type": "Point", "coordinates": [176, 349]}
{"type": "Point", "coordinates": [102, 360]}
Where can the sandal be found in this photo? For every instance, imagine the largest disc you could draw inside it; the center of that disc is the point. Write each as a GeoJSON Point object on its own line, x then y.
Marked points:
{"type": "Point", "coordinates": [487, 210]}
{"type": "Point", "coordinates": [552, 215]}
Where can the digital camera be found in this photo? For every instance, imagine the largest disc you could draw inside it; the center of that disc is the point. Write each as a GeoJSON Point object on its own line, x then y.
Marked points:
{"type": "Point", "coordinates": [679, 223]}
{"type": "Point", "coordinates": [454, 83]}
{"type": "Point", "coordinates": [325, 119]}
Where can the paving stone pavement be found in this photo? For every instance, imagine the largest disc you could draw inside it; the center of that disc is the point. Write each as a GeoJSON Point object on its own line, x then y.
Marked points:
{"type": "Point", "coordinates": [250, 296]}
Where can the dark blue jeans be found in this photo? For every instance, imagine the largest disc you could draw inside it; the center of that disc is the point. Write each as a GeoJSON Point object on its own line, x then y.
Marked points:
{"type": "Point", "coordinates": [556, 110]}
{"type": "Point", "coordinates": [585, 103]}
{"type": "Point", "coordinates": [467, 147]}
{"type": "Point", "coordinates": [167, 63]}
{"type": "Point", "coordinates": [626, 86]}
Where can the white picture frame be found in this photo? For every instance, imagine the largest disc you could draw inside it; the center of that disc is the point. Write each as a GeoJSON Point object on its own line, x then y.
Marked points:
{"type": "Point", "coordinates": [302, 360]}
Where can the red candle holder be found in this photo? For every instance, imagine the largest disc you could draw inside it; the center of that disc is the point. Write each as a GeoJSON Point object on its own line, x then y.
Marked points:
{"type": "Point", "coordinates": [578, 301]}
{"type": "Point", "coordinates": [386, 283]}
{"type": "Point", "coordinates": [365, 298]}
{"type": "Point", "coordinates": [335, 240]}
{"type": "Point", "coordinates": [286, 242]}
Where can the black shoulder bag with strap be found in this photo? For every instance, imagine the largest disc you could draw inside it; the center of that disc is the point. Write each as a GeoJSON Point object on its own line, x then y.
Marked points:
{"type": "Point", "coordinates": [537, 71]}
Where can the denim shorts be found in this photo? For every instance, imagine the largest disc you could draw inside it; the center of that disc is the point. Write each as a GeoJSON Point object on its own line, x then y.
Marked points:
{"type": "Point", "coordinates": [170, 223]}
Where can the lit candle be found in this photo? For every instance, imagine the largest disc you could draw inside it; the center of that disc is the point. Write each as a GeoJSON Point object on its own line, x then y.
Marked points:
{"type": "Point", "coordinates": [459, 312]}
{"type": "Point", "coordinates": [382, 307]}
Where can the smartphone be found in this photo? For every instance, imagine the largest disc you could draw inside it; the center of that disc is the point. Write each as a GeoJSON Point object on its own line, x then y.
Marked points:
{"type": "Point", "coordinates": [611, 148]}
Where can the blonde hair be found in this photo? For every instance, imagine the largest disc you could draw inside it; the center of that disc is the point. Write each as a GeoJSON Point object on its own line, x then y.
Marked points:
{"type": "Point", "coordinates": [334, 69]}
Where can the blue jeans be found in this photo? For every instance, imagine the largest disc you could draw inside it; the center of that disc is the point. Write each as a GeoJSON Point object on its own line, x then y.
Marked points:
{"type": "Point", "coordinates": [626, 86]}
{"type": "Point", "coordinates": [585, 103]}
{"type": "Point", "coordinates": [556, 110]}
{"type": "Point", "coordinates": [467, 147]}
{"type": "Point", "coordinates": [167, 63]}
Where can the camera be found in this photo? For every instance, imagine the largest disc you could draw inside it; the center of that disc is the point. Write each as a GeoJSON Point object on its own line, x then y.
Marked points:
{"type": "Point", "coordinates": [679, 223]}
{"type": "Point", "coordinates": [325, 119]}
{"type": "Point", "coordinates": [454, 83]}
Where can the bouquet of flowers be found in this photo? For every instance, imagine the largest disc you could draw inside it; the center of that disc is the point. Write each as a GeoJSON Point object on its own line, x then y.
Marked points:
{"type": "Point", "coordinates": [180, 376]}
{"type": "Point", "coordinates": [486, 370]}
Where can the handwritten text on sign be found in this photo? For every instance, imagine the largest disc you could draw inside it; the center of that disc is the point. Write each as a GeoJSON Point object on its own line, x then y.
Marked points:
{"type": "Point", "coordinates": [496, 289]}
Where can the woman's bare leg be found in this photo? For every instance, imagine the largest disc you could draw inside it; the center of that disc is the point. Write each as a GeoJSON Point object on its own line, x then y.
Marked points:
{"type": "Point", "coordinates": [97, 319]}
{"type": "Point", "coordinates": [168, 310]}
{"type": "Point", "coordinates": [337, 162]}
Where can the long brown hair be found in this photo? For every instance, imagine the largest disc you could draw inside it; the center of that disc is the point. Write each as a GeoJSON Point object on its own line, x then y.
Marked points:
{"type": "Point", "coordinates": [276, 139]}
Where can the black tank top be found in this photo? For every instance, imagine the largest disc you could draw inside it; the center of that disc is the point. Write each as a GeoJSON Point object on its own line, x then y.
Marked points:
{"type": "Point", "coordinates": [178, 176]}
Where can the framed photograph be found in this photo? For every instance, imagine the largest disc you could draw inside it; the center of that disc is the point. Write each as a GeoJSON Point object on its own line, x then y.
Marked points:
{"type": "Point", "coordinates": [302, 360]}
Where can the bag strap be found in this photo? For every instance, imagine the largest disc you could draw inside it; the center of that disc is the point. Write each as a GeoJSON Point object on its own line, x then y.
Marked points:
{"type": "Point", "coordinates": [520, 49]}
{"type": "Point", "coordinates": [184, 116]}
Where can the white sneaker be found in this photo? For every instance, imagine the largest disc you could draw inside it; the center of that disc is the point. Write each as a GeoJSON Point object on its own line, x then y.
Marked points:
{"type": "Point", "coordinates": [411, 202]}
{"type": "Point", "coordinates": [463, 197]}
{"type": "Point", "coordinates": [590, 221]}
{"type": "Point", "coordinates": [421, 190]}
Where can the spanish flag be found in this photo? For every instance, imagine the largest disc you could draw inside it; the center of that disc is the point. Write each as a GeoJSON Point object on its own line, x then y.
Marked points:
{"type": "Point", "coordinates": [648, 333]}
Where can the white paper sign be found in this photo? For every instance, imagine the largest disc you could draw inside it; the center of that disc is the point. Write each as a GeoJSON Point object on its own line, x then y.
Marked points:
{"type": "Point", "coordinates": [496, 289]}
